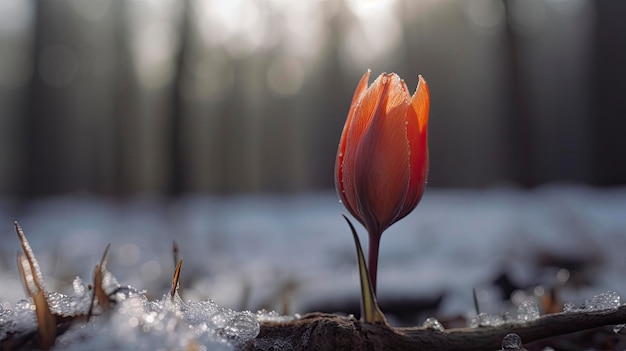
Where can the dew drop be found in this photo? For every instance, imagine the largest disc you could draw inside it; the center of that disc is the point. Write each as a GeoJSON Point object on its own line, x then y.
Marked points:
{"type": "Point", "coordinates": [511, 341]}
{"type": "Point", "coordinates": [433, 324]}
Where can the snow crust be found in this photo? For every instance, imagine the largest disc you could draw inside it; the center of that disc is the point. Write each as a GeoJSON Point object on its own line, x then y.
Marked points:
{"type": "Point", "coordinates": [136, 323]}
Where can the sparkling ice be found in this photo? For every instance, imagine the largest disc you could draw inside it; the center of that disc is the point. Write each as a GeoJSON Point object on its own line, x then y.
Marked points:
{"type": "Point", "coordinates": [433, 323]}
{"type": "Point", "coordinates": [511, 341]}
{"type": "Point", "coordinates": [487, 320]}
{"type": "Point", "coordinates": [609, 300]}
{"type": "Point", "coordinates": [135, 323]}
{"type": "Point", "coordinates": [527, 311]}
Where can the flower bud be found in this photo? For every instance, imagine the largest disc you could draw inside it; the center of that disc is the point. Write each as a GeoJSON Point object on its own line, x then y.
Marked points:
{"type": "Point", "coordinates": [382, 160]}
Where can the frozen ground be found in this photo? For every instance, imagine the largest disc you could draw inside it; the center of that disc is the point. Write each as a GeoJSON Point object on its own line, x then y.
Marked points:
{"type": "Point", "coordinates": [296, 253]}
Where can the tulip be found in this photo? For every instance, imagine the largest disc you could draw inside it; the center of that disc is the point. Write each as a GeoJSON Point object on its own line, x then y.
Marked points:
{"type": "Point", "coordinates": [382, 161]}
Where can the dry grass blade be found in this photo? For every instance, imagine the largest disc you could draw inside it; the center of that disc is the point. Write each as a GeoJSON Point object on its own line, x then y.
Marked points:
{"type": "Point", "coordinates": [98, 278]}
{"type": "Point", "coordinates": [28, 251]}
{"type": "Point", "coordinates": [175, 278]}
{"type": "Point", "coordinates": [46, 322]}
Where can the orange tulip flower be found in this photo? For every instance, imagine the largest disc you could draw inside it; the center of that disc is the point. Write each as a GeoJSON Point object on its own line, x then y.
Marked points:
{"type": "Point", "coordinates": [382, 160]}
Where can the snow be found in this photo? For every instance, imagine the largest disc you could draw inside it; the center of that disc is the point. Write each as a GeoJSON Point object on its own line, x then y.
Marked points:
{"type": "Point", "coordinates": [290, 253]}
{"type": "Point", "coordinates": [527, 311]}
{"type": "Point", "coordinates": [77, 302]}
{"type": "Point", "coordinates": [137, 323]}
{"type": "Point", "coordinates": [18, 320]}
{"type": "Point", "coordinates": [605, 301]}
{"type": "Point", "coordinates": [487, 320]}
{"type": "Point", "coordinates": [274, 317]}
{"type": "Point", "coordinates": [609, 300]}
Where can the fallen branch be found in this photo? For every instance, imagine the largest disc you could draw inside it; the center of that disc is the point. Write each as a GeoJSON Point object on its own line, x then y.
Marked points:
{"type": "Point", "coordinates": [331, 332]}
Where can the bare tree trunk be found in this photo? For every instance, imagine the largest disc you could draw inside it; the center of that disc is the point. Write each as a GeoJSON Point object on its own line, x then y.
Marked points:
{"type": "Point", "coordinates": [177, 165]}
{"type": "Point", "coordinates": [608, 94]}
{"type": "Point", "coordinates": [33, 131]}
{"type": "Point", "coordinates": [520, 124]}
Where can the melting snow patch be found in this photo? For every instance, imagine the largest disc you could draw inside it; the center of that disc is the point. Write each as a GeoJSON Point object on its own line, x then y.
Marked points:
{"type": "Point", "coordinates": [609, 300]}
{"type": "Point", "coordinates": [487, 320]}
{"type": "Point", "coordinates": [274, 317]}
{"type": "Point", "coordinates": [135, 323]}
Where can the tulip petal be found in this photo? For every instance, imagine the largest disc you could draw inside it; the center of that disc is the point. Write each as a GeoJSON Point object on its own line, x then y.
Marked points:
{"type": "Point", "coordinates": [360, 121]}
{"type": "Point", "coordinates": [417, 134]}
{"type": "Point", "coordinates": [360, 88]}
{"type": "Point", "coordinates": [421, 103]}
{"type": "Point", "coordinates": [339, 185]}
{"type": "Point", "coordinates": [383, 159]}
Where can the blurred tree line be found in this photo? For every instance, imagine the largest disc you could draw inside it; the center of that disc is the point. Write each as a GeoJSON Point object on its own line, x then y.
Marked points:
{"type": "Point", "coordinates": [170, 97]}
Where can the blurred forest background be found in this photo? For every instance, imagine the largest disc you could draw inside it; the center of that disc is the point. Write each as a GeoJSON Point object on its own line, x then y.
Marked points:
{"type": "Point", "coordinates": [221, 96]}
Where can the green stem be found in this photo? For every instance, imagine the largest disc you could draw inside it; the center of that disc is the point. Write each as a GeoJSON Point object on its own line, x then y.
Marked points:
{"type": "Point", "coordinates": [372, 257]}
{"type": "Point", "coordinates": [370, 312]}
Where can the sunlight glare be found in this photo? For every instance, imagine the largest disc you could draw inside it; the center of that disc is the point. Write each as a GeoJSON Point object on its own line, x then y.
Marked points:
{"type": "Point", "coordinates": [237, 25]}
{"type": "Point", "coordinates": [376, 33]}
{"type": "Point", "coordinates": [153, 46]}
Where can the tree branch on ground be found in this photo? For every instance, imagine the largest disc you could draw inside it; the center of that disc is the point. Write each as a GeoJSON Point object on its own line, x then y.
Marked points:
{"type": "Point", "coordinates": [332, 332]}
